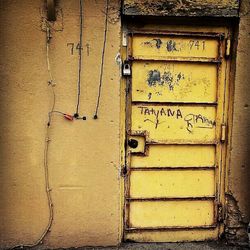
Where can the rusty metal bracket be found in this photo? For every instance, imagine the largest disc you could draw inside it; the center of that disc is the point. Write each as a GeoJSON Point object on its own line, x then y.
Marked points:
{"type": "Point", "coordinates": [228, 48]}
{"type": "Point", "coordinates": [220, 216]}
{"type": "Point", "coordinates": [223, 132]}
{"type": "Point", "coordinates": [51, 11]}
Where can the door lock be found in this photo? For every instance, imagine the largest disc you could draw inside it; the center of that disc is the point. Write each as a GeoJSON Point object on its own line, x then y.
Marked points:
{"type": "Point", "coordinates": [133, 143]}
{"type": "Point", "coordinates": [126, 68]}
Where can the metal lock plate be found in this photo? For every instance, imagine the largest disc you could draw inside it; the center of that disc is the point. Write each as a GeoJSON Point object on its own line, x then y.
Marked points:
{"type": "Point", "coordinates": [136, 144]}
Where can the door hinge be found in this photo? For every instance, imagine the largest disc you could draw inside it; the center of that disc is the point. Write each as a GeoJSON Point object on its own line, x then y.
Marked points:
{"type": "Point", "coordinates": [228, 48]}
{"type": "Point", "coordinates": [220, 212]}
{"type": "Point", "coordinates": [223, 132]}
{"type": "Point", "coordinates": [124, 39]}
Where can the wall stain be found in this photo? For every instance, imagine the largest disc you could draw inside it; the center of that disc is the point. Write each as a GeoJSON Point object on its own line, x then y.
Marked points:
{"type": "Point", "coordinates": [154, 77]}
{"type": "Point", "coordinates": [235, 224]}
{"type": "Point", "coordinates": [168, 78]}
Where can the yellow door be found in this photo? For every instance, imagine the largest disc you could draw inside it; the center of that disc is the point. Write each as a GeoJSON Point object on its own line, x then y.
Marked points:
{"type": "Point", "coordinates": [176, 116]}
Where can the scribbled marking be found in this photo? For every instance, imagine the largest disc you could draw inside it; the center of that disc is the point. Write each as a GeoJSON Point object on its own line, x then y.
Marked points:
{"type": "Point", "coordinates": [161, 112]}
{"type": "Point", "coordinates": [156, 113]}
{"type": "Point", "coordinates": [74, 47]}
{"type": "Point", "coordinates": [198, 121]}
{"type": "Point", "coordinates": [156, 122]}
{"type": "Point", "coordinates": [196, 44]}
{"type": "Point", "coordinates": [171, 46]}
{"type": "Point", "coordinates": [192, 120]}
{"type": "Point", "coordinates": [156, 42]}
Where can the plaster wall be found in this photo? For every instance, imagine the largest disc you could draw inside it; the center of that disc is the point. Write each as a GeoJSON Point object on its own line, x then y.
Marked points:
{"type": "Point", "coordinates": [239, 168]}
{"type": "Point", "coordinates": [83, 156]}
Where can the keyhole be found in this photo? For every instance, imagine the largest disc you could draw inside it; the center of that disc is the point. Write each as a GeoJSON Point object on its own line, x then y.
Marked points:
{"type": "Point", "coordinates": [133, 143]}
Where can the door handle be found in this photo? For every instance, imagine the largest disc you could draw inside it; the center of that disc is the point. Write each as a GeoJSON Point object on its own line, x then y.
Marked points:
{"type": "Point", "coordinates": [133, 143]}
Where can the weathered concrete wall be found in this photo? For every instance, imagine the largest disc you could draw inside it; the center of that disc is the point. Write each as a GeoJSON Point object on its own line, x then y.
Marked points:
{"type": "Point", "coordinates": [239, 169]}
{"type": "Point", "coordinates": [212, 8]}
{"type": "Point", "coordinates": [83, 156]}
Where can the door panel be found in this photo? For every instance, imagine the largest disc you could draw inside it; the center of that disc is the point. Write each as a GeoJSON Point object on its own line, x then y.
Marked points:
{"type": "Point", "coordinates": [171, 213]}
{"type": "Point", "coordinates": [173, 235]}
{"type": "Point", "coordinates": [169, 183]}
{"type": "Point", "coordinates": [175, 123]}
{"type": "Point", "coordinates": [174, 81]}
{"type": "Point", "coordinates": [175, 156]}
{"type": "Point", "coordinates": [161, 47]}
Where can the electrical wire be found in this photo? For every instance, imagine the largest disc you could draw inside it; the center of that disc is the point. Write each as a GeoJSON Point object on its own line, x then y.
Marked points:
{"type": "Point", "coordinates": [51, 83]}
{"type": "Point", "coordinates": [102, 61]}
{"type": "Point", "coordinates": [76, 115]}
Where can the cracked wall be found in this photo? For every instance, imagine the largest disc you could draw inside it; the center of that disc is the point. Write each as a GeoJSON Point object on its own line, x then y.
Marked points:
{"type": "Point", "coordinates": [236, 224]}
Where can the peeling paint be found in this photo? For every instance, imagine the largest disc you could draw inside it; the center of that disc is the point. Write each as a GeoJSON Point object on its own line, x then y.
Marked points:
{"type": "Point", "coordinates": [236, 226]}
{"type": "Point", "coordinates": [118, 61]}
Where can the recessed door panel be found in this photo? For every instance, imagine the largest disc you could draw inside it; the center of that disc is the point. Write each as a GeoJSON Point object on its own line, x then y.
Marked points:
{"type": "Point", "coordinates": [180, 235]}
{"type": "Point", "coordinates": [175, 123]}
{"type": "Point", "coordinates": [174, 82]}
{"type": "Point", "coordinates": [172, 183]}
{"type": "Point", "coordinates": [162, 47]}
{"type": "Point", "coordinates": [171, 214]}
{"type": "Point", "coordinates": [174, 156]}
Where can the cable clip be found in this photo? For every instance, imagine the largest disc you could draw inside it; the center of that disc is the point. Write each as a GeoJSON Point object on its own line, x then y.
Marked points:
{"type": "Point", "coordinates": [52, 83]}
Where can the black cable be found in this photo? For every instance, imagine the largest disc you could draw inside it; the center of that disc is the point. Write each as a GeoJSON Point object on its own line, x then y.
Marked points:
{"type": "Point", "coordinates": [76, 115]}
{"type": "Point", "coordinates": [102, 61]}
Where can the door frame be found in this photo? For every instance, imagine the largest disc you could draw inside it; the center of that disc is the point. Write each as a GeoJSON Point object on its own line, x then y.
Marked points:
{"type": "Point", "coordinates": [125, 122]}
